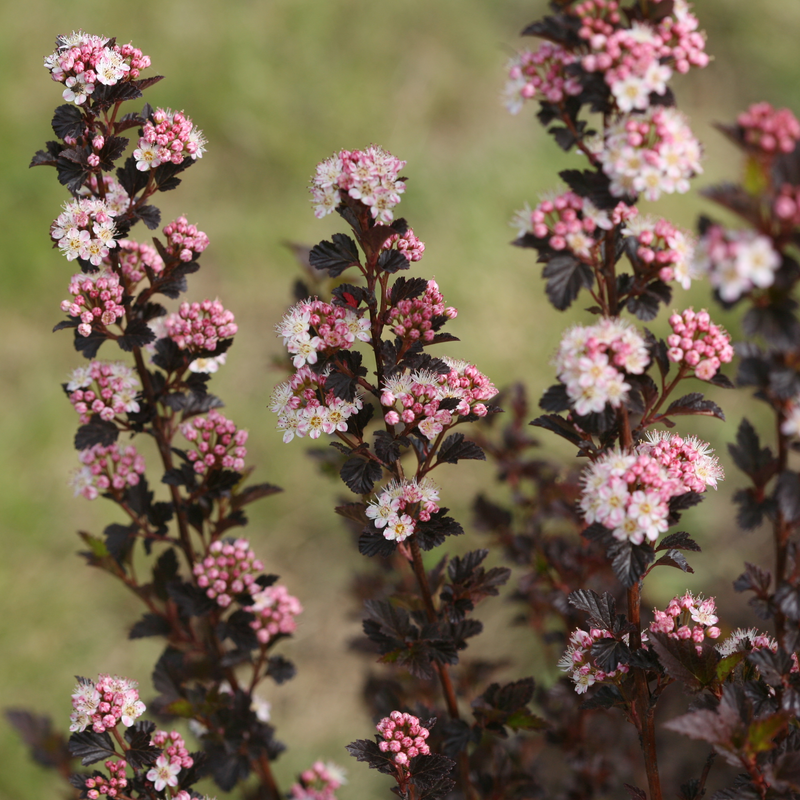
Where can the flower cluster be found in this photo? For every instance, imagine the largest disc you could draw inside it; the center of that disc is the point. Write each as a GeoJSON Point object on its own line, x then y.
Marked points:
{"type": "Point", "coordinates": [540, 75]}
{"type": "Point", "coordinates": [228, 568]}
{"type": "Point", "coordinates": [414, 319]}
{"type": "Point", "coordinates": [220, 445]}
{"type": "Point", "coordinates": [172, 760]}
{"type": "Point", "coordinates": [698, 343]}
{"type": "Point", "coordinates": [676, 621]}
{"type": "Point", "coordinates": [407, 243]}
{"type": "Point", "coordinates": [404, 736]}
{"type": "Point", "coordinates": [653, 153]}
{"type": "Point", "coordinates": [578, 661]}
{"type": "Point", "coordinates": [107, 388]}
{"type": "Point", "coordinates": [113, 195]}
{"type": "Point", "coordinates": [592, 362]}
{"type": "Point", "coordinates": [81, 61]}
{"type": "Point", "coordinates": [370, 176]}
{"type": "Point", "coordinates": [306, 407]}
{"type": "Point", "coordinates": [401, 504]}
{"type": "Point", "coordinates": [320, 782]}
{"type": "Point", "coordinates": [135, 259]}
{"type": "Point", "coordinates": [787, 206]}
{"type": "Point", "coordinates": [168, 137]}
{"type": "Point", "coordinates": [662, 246]}
{"type": "Point", "coordinates": [313, 326]}
{"type": "Point", "coordinates": [184, 241]}
{"type": "Point", "coordinates": [566, 221]}
{"type": "Point", "coordinates": [629, 493]}
{"type": "Point", "coordinates": [105, 467]}
{"type": "Point", "coordinates": [275, 611]}
{"type": "Point", "coordinates": [747, 640]}
{"type": "Point", "coordinates": [105, 703]}
{"type": "Point", "coordinates": [736, 261]}
{"type": "Point", "coordinates": [768, 129]}
{"type": "Point", "coordinates": [97, 298]}
{"type": "Point", "coordinates": [420, 395]}
{"type": "Point", "coordinates": [85, 229]}
{"type": "Point", "coordinates": [98, 785]}
{"type": "Point", "coordinates": [198, 327]}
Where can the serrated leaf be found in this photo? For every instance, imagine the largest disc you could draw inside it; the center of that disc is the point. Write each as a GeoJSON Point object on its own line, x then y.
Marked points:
{"type": "Point", "coordinates": [678, 541]}
{"type": "Point", "coordinates": [96, 431]}
{"type": "Point", "coordinates": [91, 747]}
{"type": "Point", "coordinates": [566, 276]}
{"type": "Point", "coordinates": [360, 474]}
{"type": "Point", "coordinates": [455, 448]}
{"type": "Point", "coordinates": [602, 610]}
{"type": "Point", "coordinates": [335, 256]}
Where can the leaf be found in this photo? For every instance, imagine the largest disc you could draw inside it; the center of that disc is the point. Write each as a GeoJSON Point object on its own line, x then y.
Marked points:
{"type": "Point", "coordinates": [787, 495]}
{"type": "Point", "coordinates": [88, 346]}
{"type": "Point", "coordinates": [694, 403]}
{"type": "Point", "coordinates": [680, 659]}
{"type": "Point", "coordinates": [565, 276]}
{"type": "Point", "coordinates": [678, 541]}
{"type": "Point", "coordinates": [91, 747]}
{"type": "Point", "coordinates": [137, 334]}
{"type": "Point", "coordinates": [428, 773]}
{"type": "Point", "coordinates": [119, 540]}
{"type": "Point", "coordinates": [392, 261]}
{"type": "Point", "coordinates": [368, 752]}
{"type": "Point", "coordinates": [432, 532]}
{"type": "Point", "coordinates": [68, 122]}
{"type": "Point", "coordinates": [372, 542]}
{"type": "Point", "coordinates": [96, 431]}
{"type": "Point", "coordinates": [755, 461]}
{"type": "Point", "coordinates": [46, 746]}
{"type": "Point", "coordinates": [559, 426]}
{"type": "Point", "coordinates": [280, 669]}
{"type": "Point", "coordinates": [150, 215]}
{"type": "Point", "coordinates": [602, 610]}
{"type": "Point", "coordinates": [646, 304]}
{"type": "Point", "coordinates": [630, 561]}
{"type": "Point", "coordinates": [252, 493]}
{"type": "Point", "coordinates": [455, 448]}
{"type": "Point", "coordinates": [336, 256]}
{"type": "Point", "coordinates": [555, 399]}
{"type": "Point", "coordinates": [360, 474]}
{"type": "Point", "coordinates": [149, 625]}
{"type": "Point", "coordinates": [593, 185]}
{"type": "Point", "coordinates": [674, 558]}
{"type": "Point", "coordinates": [607, 696]}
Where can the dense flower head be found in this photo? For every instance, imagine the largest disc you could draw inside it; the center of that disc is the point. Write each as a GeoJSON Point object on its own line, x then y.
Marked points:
{"type": "Point", "coordinates": [134, 258]}
{"type": "Point", "coordinates": [403, 736]}
{"type": "Point", "coordinates": [629, 493]}
{"type": "Point", "coordinates": [370, 176]}
{"type": "Point", "coordinates": [540, 75]}
{"type": "Point", "coordinates": [415, 398]}
{"type": "Point", "coordinates": [85, 229]}
{"type": "Point", "coordinates": [592, 362]}
{"type": "Point", "coordinates": [697, 343]}
{"type": "Point", "coordinates": [736, 261]}
{"type": "Point", "coordinates": [113, 194]}
{"type": "Point", "coordinates": [107, 467]}
{"type": "Point", "coordinates": [184, 241]}
{"type": "Point", "coordinates": [566, 221]}
{"type": "Point", "coordinates": [107, 388]}
{"type": "Point", "coordinates": [168, 137]}
{"type": "Point", "coordinates": [275, 611]}
{"type": "Point", "coordinates": [228, 568]}
{"type": "Point", "coordinates": [676, 621]}
{"type": "Point", "coordinates": [170, 762]}
{"type": "Point", "coordinates": [769, 129]}
{"type": "Point", "coordinates": [96, 300]}
{"type": "Point", "coordinates": [312, 327]}
{"type": "Point", "coordinates": [662, 246]}
{"type": "Point", "coordinates": [305, 407]}
{"type": "Point", "coordinates": [401, 504]}
{"type": "Point", "coordinates": [319, 782]}
{"type": "Point", "coordinates": [99, 786]}
{"type": "Point", "coordinates": [220, 444]}
{"type": "Point", "coordinates": [746, 640]}
{"type": "Point", "coordinates": [651, 153]}
{"type": "Point", "coordinates": [407, 243]}
{"type": "Point", "coordinates": [198, 327]}
{"type": "Point", "coordinates": [416, 318]}
{"type": "Point", "coordinates": [104, 703]}
{"type": "Point", "coordinates": [581, 666]}
{"type": "Point", "coordinates": [81, 61]}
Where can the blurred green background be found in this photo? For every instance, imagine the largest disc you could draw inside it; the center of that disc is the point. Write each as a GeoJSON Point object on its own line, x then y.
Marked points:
{"type": "Point", "coordinates": [276, 87]}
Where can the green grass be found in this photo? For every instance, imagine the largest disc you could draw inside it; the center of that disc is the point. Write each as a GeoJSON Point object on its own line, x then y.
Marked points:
{"type": "Point", "coordinates": [277, 86]}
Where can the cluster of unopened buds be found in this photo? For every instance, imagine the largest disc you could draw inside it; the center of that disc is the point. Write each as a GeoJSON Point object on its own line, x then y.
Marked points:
{"type": "Point", "coordinates": [81, 61]}
{"type": "Point", "coordinates": [662, 246]}
{"type": "Point", "coordinates": [184, 241]}
{"type": "Point", "coordinates": [104, 703]}
{"type": "Point", "coordinates": [401, 504]}
{"type": "Point", "coordinates": [592, 362]}
{"type": "Point", "coordinates": [106, 388]}
{"type": "Point", "coordinates": [699, 344]}
{"type": "Point", "coordinates": [97, 298]}
{"type": "Point", "coordinates": [97, 785]}
{"type": "Point", "coordinates": [228, 568]}
{"type": "Point", "coordinates": [275, 611]}
{"type": "Point", "coordinates": [135, 258]}
{"type": "Point", "coordinates": [198, 327]}
{"type": "Point", "coordinates": [769, 129]}
{"type": "Point", "coordinates": [652, 153]}
{"type": "Point", "coordinates": [676, 621]}
{"type": "Point", "coordinates": [407, 243]}
{"type": "Point", "coordinates": [85, 229]}
{"type": "Point", "coordinates": [787, 206]}
{"type": "Point", "coordinates": [168, 137]}
{"type": "Point", "coordinates": [566, 221]}
{"type": "Point", "coordinates": [420, 395]}
{"type": "Point", "coordinates": [629, 493]}
{"type": "Point", "coordinates": [736, 261]}
{"type": "Point", "coordinates": [312, 327]}
{"type": "Point", "coordinates": [107, 467]}
{"type": "Point", "coordinates": [540, 74]}
{"type": "Point", "coordinates": [220, 444]}
{"type": "Point", "coordinates": [371, 176]}
{"type": "Point", "coordinates": [414, 319]}
{"type": "Point", "coordinates": [578, 662]}
{"type": "Point", "coordinates": [320, 782]}
{"type": "Point", "coordinates": [174, 757]}
{"type": "Point", "coordinates": [403, 736]}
